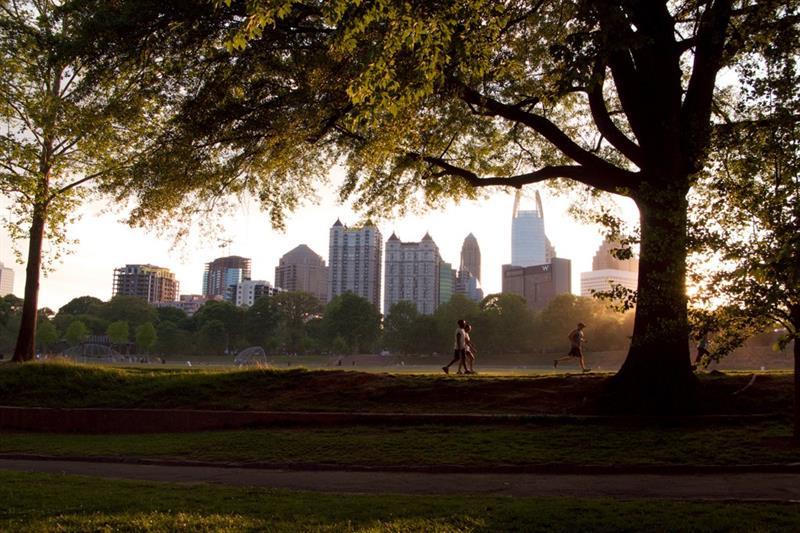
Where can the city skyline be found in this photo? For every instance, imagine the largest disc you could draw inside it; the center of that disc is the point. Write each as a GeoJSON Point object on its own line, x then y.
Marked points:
{"type": "Point", "coordinates": [107, 244]}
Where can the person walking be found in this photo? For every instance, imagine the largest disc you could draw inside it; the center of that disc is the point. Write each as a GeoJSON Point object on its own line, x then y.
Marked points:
{"type": "Point", "coordinates": [458, 347]}
{"type": "Point", "coordinates": [468, 363]}
{"type": "Point", "coordinates": [702, 349]}
{"type": "Point", "coordinates": [576, 340]}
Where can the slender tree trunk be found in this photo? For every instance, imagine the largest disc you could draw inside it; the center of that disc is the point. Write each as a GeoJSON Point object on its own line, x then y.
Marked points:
{"type": "Point", "coordinates": [25, 349]}
{"type": "Point", "coordinates": [657, 377]}
{"type": "Point", "coordinates": [797, 391]}
{"type": "Point", "coordinates": [795, 313]}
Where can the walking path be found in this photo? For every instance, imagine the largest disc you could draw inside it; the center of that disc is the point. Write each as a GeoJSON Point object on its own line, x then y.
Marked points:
{"type": "Point", "coordinates": [720, 486]}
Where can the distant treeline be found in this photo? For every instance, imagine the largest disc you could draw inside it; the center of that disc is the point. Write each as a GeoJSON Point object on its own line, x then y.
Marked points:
{"type": "Point", "coordinates": [297, 322]}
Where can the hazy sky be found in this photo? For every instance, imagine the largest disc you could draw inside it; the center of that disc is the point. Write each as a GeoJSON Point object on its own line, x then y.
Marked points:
{"type": "Point", "coordinates": [106, 243]}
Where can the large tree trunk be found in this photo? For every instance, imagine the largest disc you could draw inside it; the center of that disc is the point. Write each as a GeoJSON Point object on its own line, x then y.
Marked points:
{"type": "Point", "coordinates": [25, 349]}
{"type": "Point", "coordinates": [656, 377]}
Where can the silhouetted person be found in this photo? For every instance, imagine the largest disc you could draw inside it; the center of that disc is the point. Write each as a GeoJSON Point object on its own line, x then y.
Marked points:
{"type": "Point", "coordinates": [468, 361]}
{"type": "Point", "coordinates": [576, 340]}
{"type": "Point", "coordinates": [458, 347]}
{"type": "Point", "coordinates": [702, 349]}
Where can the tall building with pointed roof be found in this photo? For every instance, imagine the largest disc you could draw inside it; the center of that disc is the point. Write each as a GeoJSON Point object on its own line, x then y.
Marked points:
{"type": "Point", "coordinates": [471, 256]}
{"type": "Point", "coordinates": [355, 256]}
{"type": "Point", "coordinates": [528, 240]}
{"type": "Point", "coordinates": [301, 269]}
{"type": "Point", "coordinates": [412, 274]}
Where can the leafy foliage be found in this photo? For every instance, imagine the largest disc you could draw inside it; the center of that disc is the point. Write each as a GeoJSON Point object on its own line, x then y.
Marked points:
{"type": "Point", "coordinates": [76, 333]}
{"type": "Point", "coordinates": [146, 336]}
{"type": "Point", "coordinates": [749, 219]}
{"type": "Point", "coordinates": [351, 324]}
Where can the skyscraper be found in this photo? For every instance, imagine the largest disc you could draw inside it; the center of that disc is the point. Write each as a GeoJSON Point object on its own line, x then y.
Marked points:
{"type": "Point", "coordinates": [303, 270]}
{"type": "Point", "coordinates": [149, 282]}
{"type": "Point", "coordinates": [471, 256]}
{"type": "Point", "coordinates": [607, 271]}
{"type": "Point", "coordinates": [539, 284]}
{"type": "Point", "coordinates": [468, 285]}
{"type": "Point", "coordinates": [355, 256]}
{"type": "Point", "coordinates": [6, 280]}
{"type": "Point", "coordinates": [447, 282]}
{"type": "Point", "coordinates": [223, 273]}
{"type": "Point", "coordinates": [412, 274]}
{"type": "Point", "coordinates": [528, 241]}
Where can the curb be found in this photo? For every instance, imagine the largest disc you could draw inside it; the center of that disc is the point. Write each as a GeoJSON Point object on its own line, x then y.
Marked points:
{"type": "Point", "coordinates": [102, 420]}
{"type": "Point", "coordinates": [564, 469]}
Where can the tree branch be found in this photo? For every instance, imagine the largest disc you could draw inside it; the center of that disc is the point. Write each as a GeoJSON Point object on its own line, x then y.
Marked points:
{"type": "Point", "coordinates": [709, 49]}
{"type": "Point", "coordinates": [606, 126]}
{"type": "Point", "coordinates": [573, 172]}
{"type": "Point", "coordinates": [613, 176]}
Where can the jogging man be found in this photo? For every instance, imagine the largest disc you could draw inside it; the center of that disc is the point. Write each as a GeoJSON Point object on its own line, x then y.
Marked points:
{"type": "Point", "coordinates": [576, 340]}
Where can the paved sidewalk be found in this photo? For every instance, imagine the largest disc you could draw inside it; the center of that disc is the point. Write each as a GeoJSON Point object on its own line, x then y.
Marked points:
{"type": "Point", "coordinates": [738, 486]}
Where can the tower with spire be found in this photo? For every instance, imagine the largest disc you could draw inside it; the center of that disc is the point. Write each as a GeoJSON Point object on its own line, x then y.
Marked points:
{"type": "Point", "coordinates": [529, 244]}
{"type": "Point", "coordinates": [471, 257]}
{"type": "Point", "coordinates": [535, 273]}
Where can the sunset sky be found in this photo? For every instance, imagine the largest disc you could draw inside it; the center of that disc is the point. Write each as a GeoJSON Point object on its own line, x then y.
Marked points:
{"type": "Point", "coordinates": [107, 243]}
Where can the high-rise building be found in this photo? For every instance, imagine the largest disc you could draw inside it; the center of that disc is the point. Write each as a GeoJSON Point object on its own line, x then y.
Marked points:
{"type": "Point", "coordinates": [528, 240]}
{"type": "Point", "coordinates": [539, 284]}
{"type": "Point", "coordinates": [355, 256]}
{"type": "Point", "coordinates": [412, 274]}
{"type": "Point", "coordinates": [6, 280]}
{"type": "Point", "coordinates": [447, 282]}
{"type": "Point", "coordinates": [608, 271]}
{"type": "Point", "coordinates": [249, 290]}
{"type": "Point", "coordinates": [303, 270]}
{"type": "Point", "coordinates": [471, 256]}
{"type": "Point", "coordinates": [223, 273]}
{"type": "Point", "coordinates": [468, 285]}
{"type": "Point", "coordinates": [149, 282]}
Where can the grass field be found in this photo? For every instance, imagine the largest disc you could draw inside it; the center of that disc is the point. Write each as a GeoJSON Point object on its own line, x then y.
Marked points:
{"type": "Point", "coordinates": [41, 502]}
{"type": "Point", "coordinates": [73, 385]}
{"type": "Point", "coordinates": [437, 445]}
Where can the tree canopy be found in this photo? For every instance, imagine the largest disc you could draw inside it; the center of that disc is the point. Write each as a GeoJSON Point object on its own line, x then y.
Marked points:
{"type": "Point", "coordinates": [66, 131]}
{"type": "Point", "coordinates": [427, 101]}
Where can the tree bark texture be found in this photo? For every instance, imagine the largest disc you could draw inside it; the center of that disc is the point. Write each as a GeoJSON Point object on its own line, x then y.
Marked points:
{"type": "Point", "coordinates": [657, 376]}
{"type": "Point", "coordinates": [25, 349]}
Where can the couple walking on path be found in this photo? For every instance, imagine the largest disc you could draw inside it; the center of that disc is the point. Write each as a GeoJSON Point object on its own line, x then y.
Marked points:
{"type": "Point", "coordinates": [576, 340]}
{"type": "Point", "coordinates": [463, 350]}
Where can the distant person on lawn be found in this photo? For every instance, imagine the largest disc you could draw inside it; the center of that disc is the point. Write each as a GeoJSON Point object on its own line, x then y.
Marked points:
{"type": "Point", "coordinates": [459, 346]}
{"type": "Point", "coordinates": [702, 349]}
{"type": "Point", "coordinates": [468, 362]}
{"type": "Point", "coordinates": [576, 340]}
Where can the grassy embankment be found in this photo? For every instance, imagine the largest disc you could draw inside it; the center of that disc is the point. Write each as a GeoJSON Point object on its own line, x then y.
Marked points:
{"type": "Point", "coordinates": [72, 385]}
{"type": "Point", "coordinates": [64, 385]}
{"type": "Point", "coordinates": [40, 502]}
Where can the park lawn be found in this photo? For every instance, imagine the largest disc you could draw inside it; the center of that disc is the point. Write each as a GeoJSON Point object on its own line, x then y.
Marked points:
{"type": "Point", "coordinates": [47, 502]}
{"type": "Point", "coordinates": [473, 446]}
{"type": "Point", "coordinates": [76, 385]}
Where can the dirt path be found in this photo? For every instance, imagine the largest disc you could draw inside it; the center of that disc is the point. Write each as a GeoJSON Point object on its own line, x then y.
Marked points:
{"type": "Point", "coordinates": [745, 486]}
